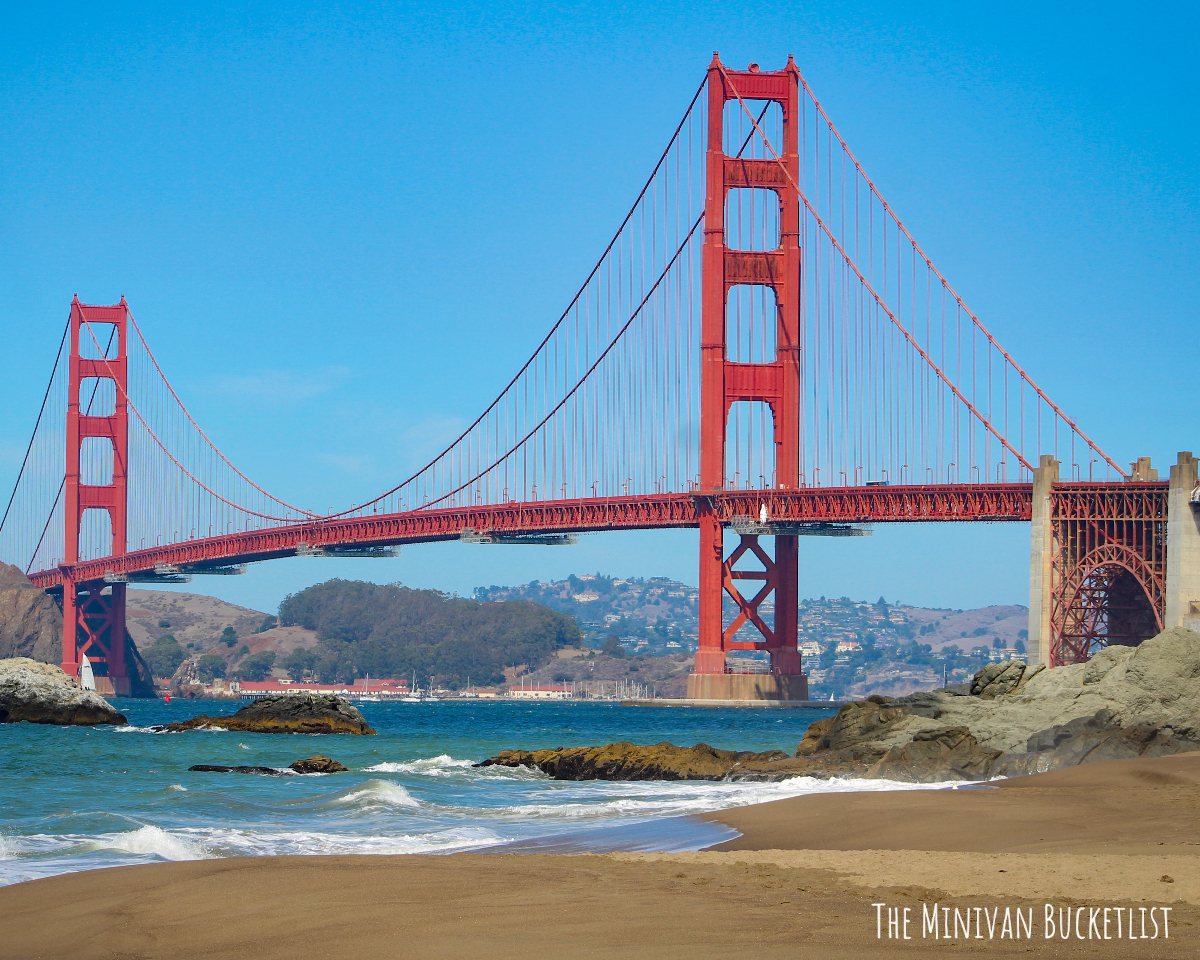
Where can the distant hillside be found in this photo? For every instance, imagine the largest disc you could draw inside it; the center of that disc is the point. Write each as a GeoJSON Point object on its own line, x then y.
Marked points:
{"type": "Point", "coordinates": [169, 627]}
{"type": "Point", "coordinates": [341, 630]}
{"type": "Point", "coordinates": [662, 615]}
{"type": "Point", "coordinates": [365, 628]}
{"type": "Point", "coordinates": [851, 648]}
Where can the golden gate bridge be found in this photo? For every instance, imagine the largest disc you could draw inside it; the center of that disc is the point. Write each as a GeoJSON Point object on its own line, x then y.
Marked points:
{"type": "Point", "coordinates": [762, 347]}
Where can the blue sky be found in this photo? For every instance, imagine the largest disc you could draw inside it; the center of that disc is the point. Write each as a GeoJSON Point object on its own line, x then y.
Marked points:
{"type": "Point", "coordinates": [342, 226]}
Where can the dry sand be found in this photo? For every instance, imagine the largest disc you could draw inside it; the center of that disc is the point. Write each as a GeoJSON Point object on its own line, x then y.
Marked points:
{"type": "Point", "coordinates": [799, 883]}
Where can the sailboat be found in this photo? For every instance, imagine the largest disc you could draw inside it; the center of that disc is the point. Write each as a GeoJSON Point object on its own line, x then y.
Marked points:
{"type": "Point", "coordinates": [414, 695]}
{"type": "Point", "coordinates": [367, 696]}
{"type": "Point", "coordinates": [87, 679]}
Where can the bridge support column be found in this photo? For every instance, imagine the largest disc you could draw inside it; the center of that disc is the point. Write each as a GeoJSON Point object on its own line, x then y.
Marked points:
{"type": "Point", "coordinates": [1182, 599]}
{"type": "Point", "coordinates": [773, 382]}
{"type": "Point", "coordinates": [1041, 561]}
{"type": "Point", "coordinates": [97, 415]}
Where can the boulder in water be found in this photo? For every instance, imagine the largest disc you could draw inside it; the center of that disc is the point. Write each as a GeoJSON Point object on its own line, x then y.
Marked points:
{"type": "Point", "coordinates": [43, 693]}
{"type": "Point", "coordinates": [289, 713]}
{"type": "Point", "coordinates": [317, 764]}
{"type": "Point", "coordinates": [216, 768]}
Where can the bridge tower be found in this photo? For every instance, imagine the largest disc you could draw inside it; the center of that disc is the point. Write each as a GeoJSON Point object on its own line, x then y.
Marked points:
{"type": "Point", "coordinates": [93, 610]}
{"type": "Point", "coordinates": [724, 382]}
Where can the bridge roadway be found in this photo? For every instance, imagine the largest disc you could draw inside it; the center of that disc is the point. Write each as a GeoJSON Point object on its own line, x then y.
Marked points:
{"type": "Point", "coordinates": [874, 504]}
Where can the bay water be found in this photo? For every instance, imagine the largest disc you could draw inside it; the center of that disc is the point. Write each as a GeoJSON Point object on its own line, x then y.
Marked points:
{"type": "Point", "coordinates": [76, 798]}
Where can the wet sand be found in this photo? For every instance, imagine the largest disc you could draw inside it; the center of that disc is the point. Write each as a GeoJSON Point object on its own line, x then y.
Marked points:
{"type": "Point", "coordinates": [800, 882]}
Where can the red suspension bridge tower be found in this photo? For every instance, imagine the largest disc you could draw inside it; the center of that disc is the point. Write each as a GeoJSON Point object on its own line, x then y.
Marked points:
{"type": "Point", "coordinates": [724, 382]}
{"type": "Point", "coordinates": [93, 610]}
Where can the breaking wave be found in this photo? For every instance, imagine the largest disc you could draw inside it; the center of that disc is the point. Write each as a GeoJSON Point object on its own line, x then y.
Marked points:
{"type": "Point", "coordinates": [151, 841]}
{"type": "Point", "coordinates": [439, 766]}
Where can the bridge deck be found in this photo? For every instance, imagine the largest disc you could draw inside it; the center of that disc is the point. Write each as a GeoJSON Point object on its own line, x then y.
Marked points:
{"type": "Point", "coordinates": [875, 504]}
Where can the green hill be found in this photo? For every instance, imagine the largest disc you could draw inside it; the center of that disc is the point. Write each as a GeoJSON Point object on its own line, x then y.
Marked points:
{"type": "Point", "coordinates": [365, 628]}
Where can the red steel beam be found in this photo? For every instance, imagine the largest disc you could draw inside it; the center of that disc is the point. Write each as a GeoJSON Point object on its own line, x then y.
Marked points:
{"type": "Point", "coordinates": [893, 504]}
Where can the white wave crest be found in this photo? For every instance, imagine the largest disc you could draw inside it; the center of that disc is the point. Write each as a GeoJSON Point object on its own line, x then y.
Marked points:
{"type": "Point", "coordinates": [245, 843]}
{"type": "Point", "coordinates": [641, 799]}
{"type": "Point", "coordinates": [152, 841]}
{"type": "Point", "coordinates": [443, 765]}
{"type": "Point", "coordinates": [377, 793]}
{"type": "Point", "coordinates": [130, 728]}
{"type": "Point", "coordinates": [10, 848]}
{"type": "Point", "coordinates": [178, 787]}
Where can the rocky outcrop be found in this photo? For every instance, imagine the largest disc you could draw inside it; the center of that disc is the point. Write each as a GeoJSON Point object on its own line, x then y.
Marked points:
{"type": "Point", "coordinates": [1010, 720]}
{"type": "Point", "coordinates": [317, 764]}
{"type": "Point", "coordinates": [43, 693]}
{"type": "Point", "coordinates": [217, 768]}
{"type": "Point", "coordinates": [31, 626]}
{"type": "Point", "coordinates": [290, 713]}
{"type": "Point", "coordinates": [310, 765]}
{"type": "Point", "coordinates": [628, 761]}
{"type": "Point", "coordinates": [30, 621]}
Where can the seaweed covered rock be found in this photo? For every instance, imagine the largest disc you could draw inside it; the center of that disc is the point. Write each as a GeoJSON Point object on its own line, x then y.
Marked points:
{"type": "Point", "coordinates": [289, 713]}
{"type": "Point", "coordinates": [629, 761]}
{"type": "Point", "coordinates": [43, 693]}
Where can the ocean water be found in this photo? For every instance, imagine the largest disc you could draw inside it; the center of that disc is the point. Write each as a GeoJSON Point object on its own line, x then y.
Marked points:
{"type": "Point", "coordinates": [77, 798]}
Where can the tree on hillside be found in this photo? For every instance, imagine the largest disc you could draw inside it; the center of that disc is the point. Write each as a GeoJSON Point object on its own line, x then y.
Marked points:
{"type": "Point", "coordinates": [269, 623]}
{"type": "Point", "coordinates": [300, 662]}
{"type": "Point", "coordinates": [256, 666]}
{"type": "Point", "coordinates": [209, 667]}
{"type": "Point", "coordinates": [612, 646]}
{"type": "Point", "coordinates": [228, 637]}
{"type": "Point", "coordinates": [164, 656]}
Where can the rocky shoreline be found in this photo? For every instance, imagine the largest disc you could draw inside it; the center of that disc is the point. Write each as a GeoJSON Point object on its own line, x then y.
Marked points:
{"type": "Point", "coordinates": [1010, 720]}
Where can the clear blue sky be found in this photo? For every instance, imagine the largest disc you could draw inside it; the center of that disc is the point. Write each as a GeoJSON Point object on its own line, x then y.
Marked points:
{"type": "Point", "coordinates": [342, 226]}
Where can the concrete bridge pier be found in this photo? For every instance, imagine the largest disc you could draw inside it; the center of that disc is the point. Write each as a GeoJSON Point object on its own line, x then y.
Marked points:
{"type": "Point", "coordinates": [1041, 560]}
{"type": "Point", "coordinates": [1181, 607]}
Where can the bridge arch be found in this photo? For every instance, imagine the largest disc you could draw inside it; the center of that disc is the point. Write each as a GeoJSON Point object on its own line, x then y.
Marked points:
{"type": "Point", "coordinates": [1112, 596]}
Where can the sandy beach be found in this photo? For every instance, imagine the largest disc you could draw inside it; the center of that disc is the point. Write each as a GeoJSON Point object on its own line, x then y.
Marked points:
{"type": "Point", "coordinates": [799, 882]}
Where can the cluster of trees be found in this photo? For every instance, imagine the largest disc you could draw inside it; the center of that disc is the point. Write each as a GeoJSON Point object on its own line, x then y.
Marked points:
{"type": "Point", "coordinates": [391, 630]}
{"type": "Point", "coordinates": [165, 655]}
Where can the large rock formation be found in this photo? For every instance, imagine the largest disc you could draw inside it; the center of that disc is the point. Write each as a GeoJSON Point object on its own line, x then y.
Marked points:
{"type": "Point", "coordinates": [1010, 720]}
{"type": "Point", "coordinates": [31, 626]}
{"type": "Point", "coordinates": [43, 693]}
{"type": "Point", "coordinates": [30, 622]}
{"type": "Point", "coordinates": [290, 713]}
